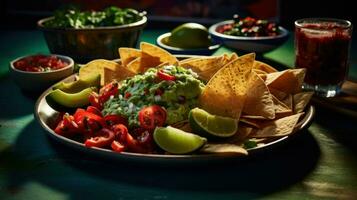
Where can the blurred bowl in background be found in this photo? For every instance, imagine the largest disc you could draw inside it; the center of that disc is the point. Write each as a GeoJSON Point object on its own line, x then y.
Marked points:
{"type": "Point", "coordinates": [87, 44]}
{"type": "Point", "coordinates": [40, 80]}
{"type": "Point", "coordinates": [259, 44]}
{"type": "Point", "coordinates": [161, 41]}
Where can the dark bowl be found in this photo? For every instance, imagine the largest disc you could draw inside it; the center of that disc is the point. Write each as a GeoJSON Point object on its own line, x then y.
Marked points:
{"type": "Point", "coordinates": [248, 44]}
{"type": "Point", "coordinates": [86, 44]}
{"type": "Point", "coordinates": [161, 42]}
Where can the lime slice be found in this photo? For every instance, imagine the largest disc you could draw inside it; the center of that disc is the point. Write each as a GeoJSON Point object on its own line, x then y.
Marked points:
{"type": "Point", "coordinates": [210, 125]}
{"type": "Point", "coordinates": [190, 36]}
{"type": "Point", "coordinates": [176, 141]}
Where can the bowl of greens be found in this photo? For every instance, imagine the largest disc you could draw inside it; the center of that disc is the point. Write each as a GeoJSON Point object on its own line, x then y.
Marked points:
{"type": "Point", "coordinates": [88, 35]}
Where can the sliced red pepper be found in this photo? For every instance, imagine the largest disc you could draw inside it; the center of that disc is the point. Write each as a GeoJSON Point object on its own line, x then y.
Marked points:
{"type": "Point", "coordinates": [67, 126]}
{"type": "Point", "coordinates": [94, 110]}
{"type": "Point", "coordinates": [117, 146]}
{"type": "Point", "coordinates": [104, 137]}
{"type": "Point", "coordinates": [111, 89]}
{"type": "Point", "coordinates": [165, 76]}
{"type": "Point", "coordinates": [133, 145]}
{"type": "Point", "coordinates": [88, 121]}
{"type": "Point", "coordinates": [94, 100]}
{"type": "Point", "coordinates": [120, 132]}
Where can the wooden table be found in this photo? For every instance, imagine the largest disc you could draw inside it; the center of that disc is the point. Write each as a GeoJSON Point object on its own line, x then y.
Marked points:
{"type": "Point", "coordinates": [320, 163]}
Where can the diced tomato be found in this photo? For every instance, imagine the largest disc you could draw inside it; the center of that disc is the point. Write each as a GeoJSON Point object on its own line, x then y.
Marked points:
{"type": "Point", "coordinates": [115, 119]}
{"type": "Point", "coordinates": [67, 126]}
{"type": "Point", "coordinates": [127, 95]}
{"type": "Point", "coordinates": [108, 90]}
{"type": "Point", "coordinates": [94, 110]}
{"type": "Point", "coordinates": [39, 63]}
{"type": "Point", "coordinates": [104, 137]}
{"type": "Point", "coordinates": [165, 76]}
{"type": "Point", "coordinates": [159, 91]}
{"type": "Point", "coordinates": [152, 116]}
{"type": "Point", "coordinates": [117, 146]}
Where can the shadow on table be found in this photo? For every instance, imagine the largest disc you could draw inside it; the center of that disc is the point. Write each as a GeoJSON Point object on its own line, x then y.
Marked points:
{"type": "Point", "coordinates": [15, 102]}
{"type": "Point", "coordinates": [262, 173]}
{"type": "Point", "coordinates": [36, 158]}
{"type": "Point", "coordinates": [342, 128]}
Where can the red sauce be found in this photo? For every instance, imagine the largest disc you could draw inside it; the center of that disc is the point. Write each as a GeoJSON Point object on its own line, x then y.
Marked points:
{"type": "Point", "coordinates": [323, 54]}
{"type": "Point", "coordinates": [40, 63]}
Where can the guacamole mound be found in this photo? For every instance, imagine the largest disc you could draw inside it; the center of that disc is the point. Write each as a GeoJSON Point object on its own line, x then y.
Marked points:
{"type": "Point", "coordinates": [178, 97]}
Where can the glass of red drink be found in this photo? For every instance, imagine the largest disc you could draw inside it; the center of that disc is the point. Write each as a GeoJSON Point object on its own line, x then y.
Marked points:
{"type": "Point", "coordinates": [322, 47]}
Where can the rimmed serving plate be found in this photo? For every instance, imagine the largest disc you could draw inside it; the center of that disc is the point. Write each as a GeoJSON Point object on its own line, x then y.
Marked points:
{"type": "Point", "coordinates": [47, 117]}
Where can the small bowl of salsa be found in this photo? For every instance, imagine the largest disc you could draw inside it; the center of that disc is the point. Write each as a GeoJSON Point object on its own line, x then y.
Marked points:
{"type": "Point", "coordinates": [38, 72]}
{"type": "Point", "coordinates": [249, 34]}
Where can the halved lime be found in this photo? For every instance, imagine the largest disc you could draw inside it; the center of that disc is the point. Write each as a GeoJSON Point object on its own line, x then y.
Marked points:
{"type": "Point", "coordinates": [209, 125]}
{"type": "Point", "coordinates": [176, 141]}
{"type": "Point", "coordinates": [190, 36]}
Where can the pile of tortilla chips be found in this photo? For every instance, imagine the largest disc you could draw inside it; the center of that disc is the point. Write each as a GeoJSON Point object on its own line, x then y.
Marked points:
{"type": "Point", "coordinates": [267, 102]}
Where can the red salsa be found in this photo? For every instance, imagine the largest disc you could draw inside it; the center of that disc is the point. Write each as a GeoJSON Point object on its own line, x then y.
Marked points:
{"type": "Point", "coordinates": [250, 27]}
{"type": "Point", "coordinates": [40, 63]}
{"type": "Point", "coordinates": [323, 50]}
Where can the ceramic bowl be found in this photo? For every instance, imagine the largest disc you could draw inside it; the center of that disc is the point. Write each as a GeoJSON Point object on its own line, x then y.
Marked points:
{"type": "Point", "coordinates": [86, 44]}
{"type": "Point", "coordinates": [37, 81]}
{"type": "Point", "coordinates": [248, 44]}
{"type": "Point", "coordinates": [162, 42]}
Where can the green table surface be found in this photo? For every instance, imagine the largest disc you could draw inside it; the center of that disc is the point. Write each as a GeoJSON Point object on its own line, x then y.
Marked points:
{"type": "Point", "coordinates": [319, 163]}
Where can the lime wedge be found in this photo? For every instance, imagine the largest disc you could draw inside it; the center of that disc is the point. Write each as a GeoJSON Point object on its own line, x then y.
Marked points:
{"type": "Point", "coordinates": [176, 141]}
{"type": "Point", "coordinates": [209, 125]}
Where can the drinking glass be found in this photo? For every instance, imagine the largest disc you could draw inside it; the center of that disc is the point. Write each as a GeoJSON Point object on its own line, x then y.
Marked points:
{"type": "Point", "coordinates": [322, 47]}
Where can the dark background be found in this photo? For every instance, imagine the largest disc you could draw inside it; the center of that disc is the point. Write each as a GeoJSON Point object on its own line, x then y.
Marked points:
{"type": "Point", "coordinates": [22, 14]}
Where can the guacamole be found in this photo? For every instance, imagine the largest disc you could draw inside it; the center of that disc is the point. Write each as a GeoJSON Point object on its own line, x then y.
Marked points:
{"type": "Point", "coordinates": [177, 92]}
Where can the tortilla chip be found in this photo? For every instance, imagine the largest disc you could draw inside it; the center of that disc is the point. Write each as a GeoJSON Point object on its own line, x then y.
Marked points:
{"type": "Point", "coordinates": [288, 81]}
{"type": "Point", "coordinates": [254, 117]}
{"type": "Point", "coordinates": [232, 57]}
{"type": "Point", "coordinates": [203, 63]}
{"type": "Point", "coordinates": [224, 149]}
{"type": "Point", "coordinates": [278, 128]}
{"type": "Point", "coordinates": [281, 110]}
{"type": "Point", "coordinates": [134, 65]}
{"type": "Point", "coordinates": [260, 72]}
{"type": "Point", "coordinates": [225, 93]}
{"type": "Point", "coordinates": [207, 75]}
{"type": "Point", "coordinates": [128, 54]}
{"type": "Point", "coordinates": [119, 74]}
{"type": "Point", "coordinates": [258, 65]}
{"type": "Point", "coordinates": [249, 122]}
{"type": "Point", "coordinates": [97, 67]}
{"type": "Point", "coordinates": [155, 51]}
{"type": "Point", "coordinates": [141, 64]}
{"type": "Point", "coordinates": [186, 60]}
{"type": "Point", "coordinates": [259, 101]}
{"type": "Point", "coordinates": [288, 101]}
{"type": "Point", "coordinates": [301, 100]}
